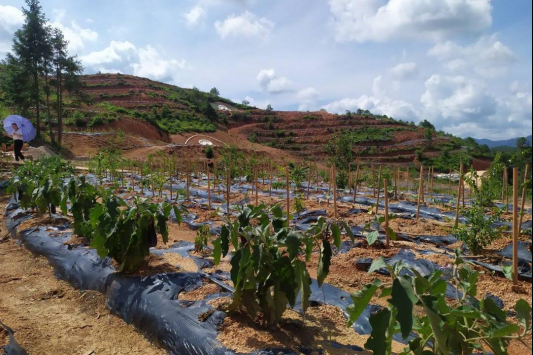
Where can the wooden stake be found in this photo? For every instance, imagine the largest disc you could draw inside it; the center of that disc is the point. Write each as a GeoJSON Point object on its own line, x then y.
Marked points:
{"type": "Point", "coordinates": [373, 180]}
{"type": "Point", "coordinates": [432, 180]}
{"type": "Point", "coordinates": [356, 183]}
{"type": "Point", "coordinates": [287, 177]}
{"type": "Point", "coordinates": [271, 179]}
{"type": "Point", "coordinates": [450, 183]}
{"type": "Point", "coordinates": [396, 172]}
{"type": "Point", "coordinates": [188, 182]}
{"type": "Point", "coordinates": [309, 183]}
{"type": "Point", "coordinates": [256, 188]}
{"type": "Point", "coordinates": [459, 196]}
{"type": "Point", "coordinates": [379, 188]}
{"type": "Point", "coordinates": [330, 182]}
{"type": "Point", "coordinates": [387, 212]}
{"type": "Point", "coordinates": [516, 229]}
{"type": "Point", "coordinates": [420, 191]}
{"type": "Point", "coordinates": [506, 189]}
{"type": "Point", "coordinates": [523, 205]}
{"type": "Point", "coordinates": [335, 213]}
{"type": "Point", "coordinates": [209, 187]}
{"type": "Point", "coordinates": [228, 189]}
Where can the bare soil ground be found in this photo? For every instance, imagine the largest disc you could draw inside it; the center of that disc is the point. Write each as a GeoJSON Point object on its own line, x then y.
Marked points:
{"type": "Point", "coordinates": [52, 318]}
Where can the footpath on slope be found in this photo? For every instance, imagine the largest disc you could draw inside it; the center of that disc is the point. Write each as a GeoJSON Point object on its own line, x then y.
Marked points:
{"type": "Point", "coordinates": [50, 317]}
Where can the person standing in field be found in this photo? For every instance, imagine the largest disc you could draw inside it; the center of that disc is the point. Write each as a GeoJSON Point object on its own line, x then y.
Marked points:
{"type": "Point", "coordinates": [18, 142]}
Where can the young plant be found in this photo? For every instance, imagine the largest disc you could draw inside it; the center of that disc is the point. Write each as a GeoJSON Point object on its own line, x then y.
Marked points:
{"type": "Point", "coordinates": [202, 238]}
{"type": "Point", "coordinates": [462, 326]}
{"type": "Point", "coordinates": [267, 271]}
{"type": "Point", "coordinates": [373, 228]}
{"type": "Point", "coordinates": [299, 204]}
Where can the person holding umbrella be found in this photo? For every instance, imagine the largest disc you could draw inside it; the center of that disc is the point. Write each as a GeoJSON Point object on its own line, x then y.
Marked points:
{"type": "Point", "coordinates": [21, 130]}
{"type": "Point", "coordinates": [18, 142]}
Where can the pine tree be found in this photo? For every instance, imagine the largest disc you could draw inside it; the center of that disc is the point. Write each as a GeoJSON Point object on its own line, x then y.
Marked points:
{"type": "Point", "coordinates": [30, 46]}
{"type": "Point", "coordinates": [16, 85]}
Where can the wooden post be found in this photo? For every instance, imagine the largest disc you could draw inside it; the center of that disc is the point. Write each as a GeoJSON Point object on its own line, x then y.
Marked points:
{"type": "Point", "coordinates": [350, 177]}
{"type": "Point", "coordinates": [506, 190]}
{"type": "Point", "coordinates": [379, 188]}
{"type": "Point", "coordinates": [420, 191]}
{"type": "Point", "coordinates": [335, 213]}
{"type": "Point", "coordinates": [256, 188]}
{"type": "Point", "coordinates": [271, 179]}
{"type": "Point", "coordinates": [188, 182]}
{"type": "Point", "coordinates": [450, 183]}
{"type": "Point", "coordinates": [133, 176]}
{"type": "Point", "coordinates": [432, 174]}
{"type": "Point", "coordinates": [170, 178]}
{"type": "Point", "coordinates": [288, 181]}
{"type": "Point", "coordinates": [209, 187]}
{"type": "Point", "coordinates": [228, 189]}
{"type": "Point", "coordinates": [387, 212]}
{"type": "Point", "coordinates": [396, 172]}
{"type": "Point", "coordinates": [464, 193]}
{"type": "Point", "coordinates": [523, 205]}
{"type": "Point", "coordinates": [459, 196]}
{"type": "Point", "coordinates": [516, 229]}
{"type": "Point", "coordinates": [142, 178]}
{"type": "Point", "coordinates": [309, 183]}
{"type": "Point", "coordinates": [356, 183]}
{"type": "Point", "coordinates": [330, 182]}
{"type": "Point", "coordinates": [373, 180]}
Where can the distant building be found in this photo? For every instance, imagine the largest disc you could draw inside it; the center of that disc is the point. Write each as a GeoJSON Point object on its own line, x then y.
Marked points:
{"type": "Point", "coordinates": [223, 108]}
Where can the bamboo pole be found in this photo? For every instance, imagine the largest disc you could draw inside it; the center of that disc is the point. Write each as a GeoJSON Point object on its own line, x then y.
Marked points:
{"type": "Point", "coordinates": [450, 183]}
{"type": "Point", "coordinates": [432, 174]}
{"type": "Point", "coordinates": [209, 187]}
{"type": "Point", "coordinates": [330, 182]}
{"type": "Point", "coordinates": [373, 180]}
{"type": "Point", "coordinates": [271, 179]}
{"type": "Point", "coordinates": [228, 189]}
{"type": "Point", "coordinates": [188, 182]}
{"type": "Point", "coordinates": [256, 188]}
{"type": "Point", "coordinates": [507, 190]}
{"type": "Point", "coordinates": [420, 191]}
{"type": "Point", "coordinates": [387, 212]}
{"type": "Point", "coordinates": [516, 230]}
{"type": "Point", "coordinates": [309, 182]}
{"type": "Point", "coordinates": [396, 173]}
{"type": "Point", "coordinates": [356, 183]}
{"type": "Point", "coordinates": [459, 196]}
{"type": "Point", "coordinates": [287, 178]}
{"type": "Point", "coordinates": [523, 205]}
{"type": "Point", "coordinates": [335, 213]}
{"type": "Point", "coordinates": [379, 188]}
{"type": "Point", "coordinates": [141, 167]}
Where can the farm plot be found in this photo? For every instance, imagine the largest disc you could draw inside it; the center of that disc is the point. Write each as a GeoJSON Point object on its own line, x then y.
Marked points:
{"type": "Point", "coordinates": [283, 257]}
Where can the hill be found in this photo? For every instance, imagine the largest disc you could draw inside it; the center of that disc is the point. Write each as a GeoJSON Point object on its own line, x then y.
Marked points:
{"type": "Point", "coordinates": [503, 143]}
{"type": "Point", "coordinates": [144, 113]}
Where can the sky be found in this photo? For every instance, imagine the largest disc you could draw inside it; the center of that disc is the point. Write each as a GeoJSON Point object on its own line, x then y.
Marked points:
{"type": "Point", "coordinates": [465, 65]}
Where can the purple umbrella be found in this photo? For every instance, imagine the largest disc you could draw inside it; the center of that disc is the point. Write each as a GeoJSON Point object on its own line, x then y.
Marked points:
{"type": "Point", "coordinates": [24, 125]}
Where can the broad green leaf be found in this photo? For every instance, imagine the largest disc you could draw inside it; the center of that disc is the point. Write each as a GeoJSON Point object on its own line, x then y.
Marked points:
{"type": "Point", "coordinates": [523, 314]}
{"type": "Point", "coordinates": [293, 242]}
{"type": "Point", "coordinates": [490, 307]}
{"type": "Point", "coordinates": [429, 304]}
{"type": "Point", "coordinates": [348, 231]}
{"type": "Point", "coordinates": [378, 342]}
{"type": "Point", "coordinates": [506, 331]}
{"type": "Point", "coordinates": [337, 235]}
{"type": "Point", "coordinates": [404, 299]}
{"type": "Point", "coordinates": [379, 264]}
{"type": "Point", "coordinates": [372, 237]}
{"type": "Point", "coordinates": [360, 301]}
{"type": "Point", "coordinates": [508, 272]}
{"type": "Point", "coordinates": [217, 251]}
{"type": "Point", "coordinates": [324, 263]}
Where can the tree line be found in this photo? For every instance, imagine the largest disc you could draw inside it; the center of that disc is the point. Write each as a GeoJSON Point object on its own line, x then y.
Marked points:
{"type": "Point", "coordinates": [39, 68]}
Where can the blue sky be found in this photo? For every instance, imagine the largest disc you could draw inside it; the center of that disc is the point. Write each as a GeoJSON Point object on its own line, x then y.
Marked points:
{"type": "Point", "coordinates": [465, 65]}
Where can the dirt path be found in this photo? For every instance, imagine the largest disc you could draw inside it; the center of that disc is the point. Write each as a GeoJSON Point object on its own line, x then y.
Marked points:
{"type": "Point", "coordinates": [51, 318]}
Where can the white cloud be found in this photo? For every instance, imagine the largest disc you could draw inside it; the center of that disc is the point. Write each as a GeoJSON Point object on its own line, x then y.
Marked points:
{"type": "Point", "coordinates": [246, 25]}
{"type": "Point", "coordinates": [379, 103]}
{"type": "Point", "coordinates": [307, 98]}
{"type": "Point", "coordinates": [272, 83]}
{"type": "Point", "coordinates": [116, 52]}
{"type": "Point", "coordinates": [453, 100]}
{"type": "Point", "coordinates": [195, 16]}
{"type": "Point", "coordinates": [489, 56]}
{"type": "Point", "coordinates": [382, 20]}
{"type": "Point", "coordinates": [152, 66]}
{"type": "Point", "coordinates": [11, 19]}
{"type": "Point", "coordinates": [74, 34]}
{"type": "Point", "coordinates": [405, 71]}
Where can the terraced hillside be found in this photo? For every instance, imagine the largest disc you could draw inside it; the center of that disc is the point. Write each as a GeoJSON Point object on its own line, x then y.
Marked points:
{"type": "Point", "coordinates": [156, 111]}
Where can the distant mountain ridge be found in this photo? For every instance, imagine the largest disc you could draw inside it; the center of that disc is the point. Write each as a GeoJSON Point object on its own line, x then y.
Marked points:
{"type": "Point", "coordinates": [503, 143]}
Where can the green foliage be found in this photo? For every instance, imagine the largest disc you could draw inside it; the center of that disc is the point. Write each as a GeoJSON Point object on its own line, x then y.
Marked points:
{"type": "Point", "coordinates": [479, 231]}
{"type": "Point", "coordinates": [373, 228]}
{"type": "Point", "coordinates": [298, 204]}
{"type": "Point", "coordinates": [209, 153]}
{"type": "Point", "coordinates": [267, 271]}
{"type": "Point", "coordinates": [427, 125]}
{"type": "Point", "coordinates": [202, 238]}
{"type": "Point", "coordinates": [463, 326]}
